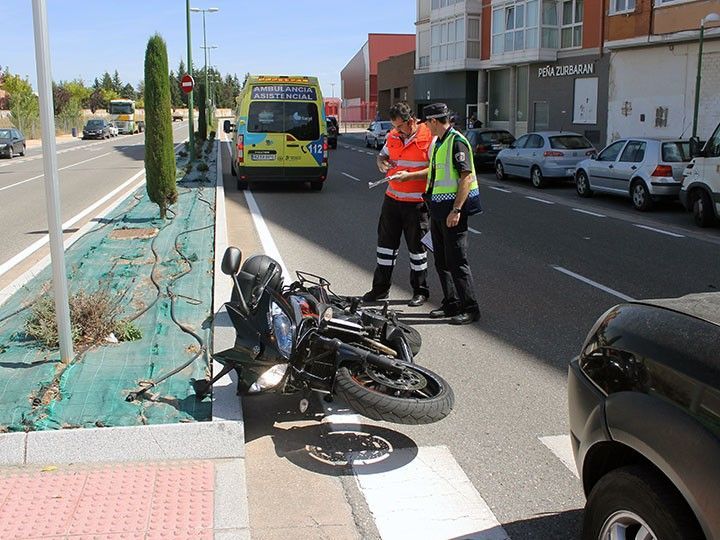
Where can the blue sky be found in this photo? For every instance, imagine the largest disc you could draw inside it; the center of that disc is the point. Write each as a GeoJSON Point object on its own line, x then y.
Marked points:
{"type": "Point", "coordinates": [300, 37]}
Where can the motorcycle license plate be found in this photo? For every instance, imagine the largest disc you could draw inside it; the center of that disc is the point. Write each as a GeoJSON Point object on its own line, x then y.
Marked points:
{"type": "Point", "coordinates": [263, 156]}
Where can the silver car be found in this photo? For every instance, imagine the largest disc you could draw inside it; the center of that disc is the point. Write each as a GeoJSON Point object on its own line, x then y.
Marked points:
{"type": "Point", "coordinates": [643, 169]}
{"type": "Point", "coordinates": [377, 133]}
{"type": "Point", "coordinates": [543, 154]}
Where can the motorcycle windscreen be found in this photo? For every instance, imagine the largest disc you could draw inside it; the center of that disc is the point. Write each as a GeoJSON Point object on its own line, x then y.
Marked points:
{"type": "Point", "coordinates": [265, 137]}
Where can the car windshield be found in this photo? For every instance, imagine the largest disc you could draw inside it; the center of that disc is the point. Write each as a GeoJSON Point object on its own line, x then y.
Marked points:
{"type": "Point", "coordinates": [121, 108]}
{"type": "Point", "coordinates": [386, 126]}
{"type": "Point", "coordinates": [95, 123]}
{"type": "Point", "coordinates": [569, 142]}
{"type": "Point", "coordinates": [676, 152]}
{"type": "Point", "coordinates": [497, 137]}
{"type": "Point", "coordinates": [4, 133]}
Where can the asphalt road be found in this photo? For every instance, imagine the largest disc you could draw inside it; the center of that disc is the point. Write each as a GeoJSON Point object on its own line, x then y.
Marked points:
{"type": "Point", "coordinates": [88, 170]}
{"type": "Point", "coordinates": [547, 265]}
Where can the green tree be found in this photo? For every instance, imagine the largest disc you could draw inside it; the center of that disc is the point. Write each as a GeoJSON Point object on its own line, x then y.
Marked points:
{"type": "Point", "coordinates": [61, 97]}
{"type": "Point", "coordinates": [24, 105]}
{"type": "Point", "coordinates": [128, 92]}
{"type": "Point", "coordinates": [96, 100]}
{"type": "Point", "coordinates": [159, 154]}
{"type": "Point", "coordinates": [117, 84]}
{"type": "Point", "coordinates": [140, 95]}
{"type": "Point", "coordinates": [182, 70]}
{"type": "Point", "coordinates": [107, 95]}
{"type": "Point", "coordinates": [107, 82]}
{"type": "Point", "coordinates": [79, 92]}
{"type": "Point", "coordinates": [175, 92]}
{"type": "Point", "coordinates": [202, 113]}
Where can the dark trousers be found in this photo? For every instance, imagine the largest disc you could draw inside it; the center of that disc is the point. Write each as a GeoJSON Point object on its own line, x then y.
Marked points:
{"type": "Point", "coordinates": [450, 253]}
{"type": "Point", "coordinates": [399, 219]}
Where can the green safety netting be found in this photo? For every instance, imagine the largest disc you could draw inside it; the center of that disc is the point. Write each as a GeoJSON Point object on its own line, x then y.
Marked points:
{"type": "Point", "coordinates": [124, 256]}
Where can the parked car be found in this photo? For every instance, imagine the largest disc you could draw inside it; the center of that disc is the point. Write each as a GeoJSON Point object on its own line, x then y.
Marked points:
{"type": "Point", "coordinates": [377, 133]}
{"type": "Point", "coordinates": [645, 170]}
{"type": "Point", "coordinates": [487, 143]}
{"type": "Point", "coordinates": [332, 132]}
{"type": "Point", "coordinates": [700, 191]}
{"type": "Point", "coordinates": [12, 141]}
{"type": "Point", "coordinates": [113, 129]}
{"type": "Point", "coordinates": [96, 128]}
{"type": "Point", "coordinates": [644, 408]}
{"type": "Point", "coordinates": [543, 154]}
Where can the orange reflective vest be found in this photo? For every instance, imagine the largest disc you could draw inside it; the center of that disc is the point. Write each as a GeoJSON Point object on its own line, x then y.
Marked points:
{"type": "Point", "coordinates": [412, 156]}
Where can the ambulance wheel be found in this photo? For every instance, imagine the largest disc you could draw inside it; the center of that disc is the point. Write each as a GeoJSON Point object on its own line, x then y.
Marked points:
{"type": "Point", "coordinates": [242, 185]}
{"type": "Point", "coordinates": [232, 169]}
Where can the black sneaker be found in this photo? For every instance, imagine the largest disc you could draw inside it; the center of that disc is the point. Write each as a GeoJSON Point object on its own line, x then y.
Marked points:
{"type": "Point", "coordinates": [465, 318]}
{"type": "Point", "coordinates": [375, 296]}
{"type": "Point", "coordinates": [417, 300]}
{"type": "Point", "coordinates": [441, 313]}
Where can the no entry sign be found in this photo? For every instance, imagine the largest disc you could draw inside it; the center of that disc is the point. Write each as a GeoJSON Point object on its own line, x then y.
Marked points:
{"type": "Point", "coordinates": [187, 83]}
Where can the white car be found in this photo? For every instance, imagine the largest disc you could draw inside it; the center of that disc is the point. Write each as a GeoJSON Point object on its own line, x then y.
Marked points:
{"type": "Point", "coordinates": [113, 129]}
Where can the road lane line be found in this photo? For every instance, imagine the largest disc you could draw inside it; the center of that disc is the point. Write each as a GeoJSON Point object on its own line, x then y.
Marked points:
{"type": "Point", "coordinates": [496, 188]}
{"type": "Point", "coordinates": [60, 169]}
{"type": "Point", "coordinates": [266, 238]}
{"type": "Point", "coordinates": [473, 230]}
{"type": "Point", "coordinates": [675, 235]}
{"type": "Point", "coordinates": [588, 212]}
{"type": "Point", "coordinates": [350, 176]}
{"type": "Point", "coordinates": [560, 446]}
{"type": "Point", "coordinates": [594, 284]}
{"type": "Point", "coordinates": [538, 200]}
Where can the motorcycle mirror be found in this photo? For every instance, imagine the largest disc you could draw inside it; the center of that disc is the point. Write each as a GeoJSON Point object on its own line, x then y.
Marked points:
{"type": "Point", "coordinates": [231, 261]}
{"type": "Point", "coordinates": [327, 314]}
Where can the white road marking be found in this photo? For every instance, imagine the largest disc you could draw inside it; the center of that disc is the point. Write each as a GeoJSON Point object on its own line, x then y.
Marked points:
{"type": "Point", "coordinates": [668, 233]}
{"type": "Point", "coordinates": [561, 447]}
{"type": "Point", "coordinates": [496, 188]}
{"type": "Point", "coordinates": [473, 230]}
{"type": "Point", "coordinates": [538, 199]}
{"type": "Point", "coordinates": [370, 153]}
{"type": "Point", "coordinates": [588, 212]}
{"type": "Point", "coordinates": [266, 238]}
{"type": "Point", "coordinates": [430, 497]}
{"type": "Point", "coordinates": [350, 176]}
{"type": "Point", "coordinates": [60, 169]}
{"type": "Point", "coordinates": [594, 284]}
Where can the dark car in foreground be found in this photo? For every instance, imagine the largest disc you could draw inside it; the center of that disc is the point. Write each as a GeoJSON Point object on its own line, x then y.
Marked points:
{"type": "Point", "coordinates": [487, 143]}
{"type": "Point", "coordinates": [96, 128]}
{"type": "Point", "coordinates": [644, 404]}
{"type": "Point", "coordinates": [12, 142]}
{"type": "Point", "coordinates": [332, 131]}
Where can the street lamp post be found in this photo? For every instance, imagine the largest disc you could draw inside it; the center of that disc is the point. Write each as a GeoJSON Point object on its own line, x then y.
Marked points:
{"type": "Point", "coordinates": [191, 106]}
{"type": "Point", "coordinates": [204, 11]}
{"type": "Point", "coordinates": [710, 17]}
{"type": "Point", "coordinates": [207, 67]}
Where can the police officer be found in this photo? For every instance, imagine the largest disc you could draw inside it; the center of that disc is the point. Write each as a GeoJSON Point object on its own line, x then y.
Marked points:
{"type": "Point", "coordinates": [403, 211]}
{"type": "Point", "coordinates": [452, 194]}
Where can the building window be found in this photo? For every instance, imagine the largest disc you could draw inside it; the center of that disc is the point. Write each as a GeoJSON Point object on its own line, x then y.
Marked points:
{"type": "Point", "coordinates": [549, 25]}
{"type": "Point", "coordinates": [473, 38]}
{"type": "Point", "coordinates": [572, 24]}
{"type": "Point", "coordinates": [438, 4]}
{"type": "Point", "coordinates": [499, 95]}
{"type": "Point", "coordinates": [514, 27]}
{"type": "Point", "coordinates": [447, 40]}
{"type": "Point", "coordinates": [423, 62]}
{"type": "Point", "coordinates": [521, 93]}
{"type": "Point", "coordinates": [622, 6]}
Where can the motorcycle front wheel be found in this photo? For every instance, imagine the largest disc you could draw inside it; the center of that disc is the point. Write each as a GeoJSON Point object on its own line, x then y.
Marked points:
{"type": "Point", "coordinates": [414, 396]}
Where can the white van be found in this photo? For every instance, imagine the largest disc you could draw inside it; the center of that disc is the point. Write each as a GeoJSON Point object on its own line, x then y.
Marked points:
{"type": "Point", "coordinates": [700, 191]}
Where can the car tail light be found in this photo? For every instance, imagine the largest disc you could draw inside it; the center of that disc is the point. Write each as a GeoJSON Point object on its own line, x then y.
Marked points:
{"type": "Point", "coordinates": [663, 170]}
{"type": "Point", "coordinates": [481, 148]}
{"type": "Point", "coordinates": [553, 153]}
{"type": "Point", "coordinates": [240, 149]}
{"type": "Point", "coordinates": [325, 150]}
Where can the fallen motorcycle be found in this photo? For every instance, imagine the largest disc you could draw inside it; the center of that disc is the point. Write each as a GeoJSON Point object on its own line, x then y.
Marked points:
{"type": "Point", "coordinates": [303, 338]}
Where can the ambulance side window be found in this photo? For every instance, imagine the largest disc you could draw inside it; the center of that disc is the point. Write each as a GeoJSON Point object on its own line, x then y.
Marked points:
{"type": "Point", "coordinates": [265, 117]}
{"type": "Point", "coordinates": [713, 145]}
{"type": "Point", "coordinates": [302, 120]}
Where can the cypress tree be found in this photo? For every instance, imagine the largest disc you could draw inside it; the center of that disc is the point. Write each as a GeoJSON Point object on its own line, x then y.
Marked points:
{"type": "Point", "coordinates": [202, 113]}
{"type": "Point", "coordinates": [159, 153]}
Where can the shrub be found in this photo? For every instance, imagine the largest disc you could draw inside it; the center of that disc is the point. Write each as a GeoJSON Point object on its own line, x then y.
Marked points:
{"type": "Point", "coordinates": [159, 153]}
{"type": "Point", "coordinates": [127, 331]}
{"type": "Point", "coordinates": [203, 167]}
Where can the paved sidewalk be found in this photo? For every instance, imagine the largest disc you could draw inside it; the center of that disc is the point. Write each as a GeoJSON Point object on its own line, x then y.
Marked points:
{"type": "Point", "coordinates": [60, 139]}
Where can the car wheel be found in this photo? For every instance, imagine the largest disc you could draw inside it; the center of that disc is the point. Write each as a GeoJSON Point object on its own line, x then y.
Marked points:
{"type": "Point", "coordinates": [635, 502]}
{"type": "Point", "coordinates": [499, 170]}
{"type": "Point", "coordinates": [378, 146]}
{"type": "Point", "coordinates": [702, 208]}
{"type": "Point", "coordinates": [367, 142]}
{"type": "Point", "coordinates": [536, 177]}
{"type": "Point", "coordinates": [582, 184]}
{"type": "Point", "coordinates": [641, 198]}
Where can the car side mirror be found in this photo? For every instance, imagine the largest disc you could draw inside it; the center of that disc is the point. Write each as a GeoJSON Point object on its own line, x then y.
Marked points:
{"type": "Point", "coordinates": [512, 145]}
{"type": "Point", "coordinates": [227, 126]}
{"type": "Point", "coordinates": [231, 261]}
{"type": "Point", "coordinates": [696, 149]}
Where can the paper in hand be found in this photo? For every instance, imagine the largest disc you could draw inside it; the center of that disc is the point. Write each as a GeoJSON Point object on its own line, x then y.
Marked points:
{"type": "Point", "coordinates": [427, 241]}
{"type": "Point", "coordinates": [381, 181]}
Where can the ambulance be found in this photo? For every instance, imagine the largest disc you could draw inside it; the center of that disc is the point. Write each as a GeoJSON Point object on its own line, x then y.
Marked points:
{"type": "Point", "coordinates": [280, 132]}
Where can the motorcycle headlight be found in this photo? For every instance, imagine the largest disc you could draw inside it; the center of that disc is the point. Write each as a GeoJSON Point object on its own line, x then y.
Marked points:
{"type": "Point", "coordinates": [282, 330]}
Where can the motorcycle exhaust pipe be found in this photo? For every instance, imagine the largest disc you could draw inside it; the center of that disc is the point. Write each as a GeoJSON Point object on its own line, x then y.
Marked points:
{"type": "Point", "coordinates": [348, 351]}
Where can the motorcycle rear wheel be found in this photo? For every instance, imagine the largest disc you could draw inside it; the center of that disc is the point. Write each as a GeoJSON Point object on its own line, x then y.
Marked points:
{"type": "Point", "coordinates": [417, 396]}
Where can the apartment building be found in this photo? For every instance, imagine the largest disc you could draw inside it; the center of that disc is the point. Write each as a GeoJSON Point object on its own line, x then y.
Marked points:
{"type": "Point", "coordinates": [653, 46]}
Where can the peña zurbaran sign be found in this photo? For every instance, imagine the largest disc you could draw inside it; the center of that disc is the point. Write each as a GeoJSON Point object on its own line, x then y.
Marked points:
{"type": "Point", "coordinates": [565, 71]}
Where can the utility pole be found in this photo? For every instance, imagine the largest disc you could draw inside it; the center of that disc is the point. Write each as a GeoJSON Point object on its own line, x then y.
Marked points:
{"type": "Point", "coordinates": [52, 186]}
{"type": "Point", "coordinates": [204, 11]}
{"type": "Point", "coordinates": [191, 107]}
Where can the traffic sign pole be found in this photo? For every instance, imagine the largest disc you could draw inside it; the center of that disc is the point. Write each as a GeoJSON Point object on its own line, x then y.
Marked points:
{"type": "Point", "coordinates": [191, 107]}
